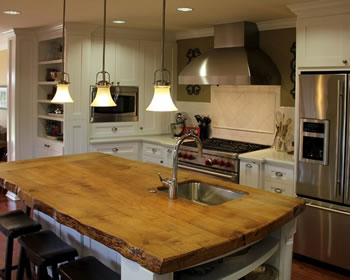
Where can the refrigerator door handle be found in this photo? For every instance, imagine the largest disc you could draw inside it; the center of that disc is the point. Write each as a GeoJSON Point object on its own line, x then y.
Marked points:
{"type": "Point", "coordinates": [347, 164]}
{"type": "Point", "coordinates": [309, 204]}
{"type": "Point", "coordinates": [339, 155]}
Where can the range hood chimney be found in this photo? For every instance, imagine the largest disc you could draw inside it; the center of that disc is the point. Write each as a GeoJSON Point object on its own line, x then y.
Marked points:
{"type": "Point", "coordinates": [235, 60]}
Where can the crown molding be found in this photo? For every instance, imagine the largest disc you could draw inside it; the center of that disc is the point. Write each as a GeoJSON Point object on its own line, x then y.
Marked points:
{"type": "Point", "coordinates": [320, 8]}
{"type": "Point", "coordinates": [277, 24]}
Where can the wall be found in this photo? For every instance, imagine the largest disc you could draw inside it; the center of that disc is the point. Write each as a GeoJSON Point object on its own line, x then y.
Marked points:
{"type": "Point", "coordinates": [3, 82]}
{"type": "Point", "coordinates": [277, 44]}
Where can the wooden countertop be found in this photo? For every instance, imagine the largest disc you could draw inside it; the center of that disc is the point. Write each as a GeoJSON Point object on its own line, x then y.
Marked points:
{"type": "Point", "coordinates": [107, 199]}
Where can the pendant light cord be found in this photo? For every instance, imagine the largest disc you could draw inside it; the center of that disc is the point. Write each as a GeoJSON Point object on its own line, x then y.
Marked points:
{"type": "Point", "coordinates": [63, 37]}
{"type": "Point", "coordinates": [163, 42]}
{"type": "Point", "coordinates": [104, 42]}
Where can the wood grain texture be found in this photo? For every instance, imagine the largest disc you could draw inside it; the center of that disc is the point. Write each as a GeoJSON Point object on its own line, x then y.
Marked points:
{"type": "Point", "coordinates": [107, 199]}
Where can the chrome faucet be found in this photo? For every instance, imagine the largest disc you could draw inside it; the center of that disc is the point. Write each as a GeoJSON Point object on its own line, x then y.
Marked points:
{"type": "Point", "coordinates": [172, 183]}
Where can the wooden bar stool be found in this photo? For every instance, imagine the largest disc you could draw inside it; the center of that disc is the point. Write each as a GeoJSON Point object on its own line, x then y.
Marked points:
{"type": "Point", "coordinates": [87, 268]}
{"type": "Point", "coordinates": [13, 224]}
{"type": "Point", "coordinates": [44, 249]}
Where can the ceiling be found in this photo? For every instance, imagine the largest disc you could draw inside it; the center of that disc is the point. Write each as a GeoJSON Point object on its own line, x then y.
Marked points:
{"type": "Point", "coordinates": [145, 14]}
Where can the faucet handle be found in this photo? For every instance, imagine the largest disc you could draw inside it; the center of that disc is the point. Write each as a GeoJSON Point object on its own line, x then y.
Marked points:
{"type": "Point", "coordinates": [165, 181]}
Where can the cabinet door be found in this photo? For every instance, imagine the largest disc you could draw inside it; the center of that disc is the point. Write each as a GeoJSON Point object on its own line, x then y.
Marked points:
{"type": "Point", "coordinates": [127, 62]}
{"type": "Point", "coordinates": [168, 161]}
{"type": "Point", "coordinates": [153, 122]}
{"type": "Point", "coordinates": [324, 41]}
{"type": "Point", "coordinates": [249, 174]}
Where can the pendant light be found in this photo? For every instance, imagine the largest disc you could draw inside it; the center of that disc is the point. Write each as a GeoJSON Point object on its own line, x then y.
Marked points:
{"type": "Point", "coordinates": [103, 96]}
{"type": "Point", "coordinates": [161, 101]}
{"type": "Point", "coordinates": [62, 92]}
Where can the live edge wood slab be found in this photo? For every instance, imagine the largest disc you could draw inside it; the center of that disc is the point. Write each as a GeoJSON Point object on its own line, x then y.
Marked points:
{"type": "Point", "coordinates": [107, 199]}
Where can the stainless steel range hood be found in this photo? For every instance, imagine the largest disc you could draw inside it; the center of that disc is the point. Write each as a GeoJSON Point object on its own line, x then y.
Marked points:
{"type": "Point", "coordinates": [235, 60]}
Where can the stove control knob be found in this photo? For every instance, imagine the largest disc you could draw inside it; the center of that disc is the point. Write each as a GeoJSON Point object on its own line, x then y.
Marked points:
{"type": "Point", "coordinates": [185, 156]}
{"type": "Point", "coordinates": [180, 155]}
{"type": "Point", "coordinates": [208, 162]}
{"type": "Point", "coordinates": [222, 163]}
{"type": "Point", "coordinates": [215, 161]}
{"type": "Point", "coordinates": [190, 157]}
{"type": "Point", "coordinates": [228, 164]}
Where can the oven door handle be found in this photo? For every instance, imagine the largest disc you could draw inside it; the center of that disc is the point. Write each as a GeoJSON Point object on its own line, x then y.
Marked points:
{"type": "Point", "coordinates": [231, 177]}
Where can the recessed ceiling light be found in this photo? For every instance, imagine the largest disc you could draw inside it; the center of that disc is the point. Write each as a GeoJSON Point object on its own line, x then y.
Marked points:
{"type": "Point", "coordinates": [12, 12]}
{"type": "Point", "coordinates": [119, 21]}
{"type": "Point", "coordinates": [184, 9]}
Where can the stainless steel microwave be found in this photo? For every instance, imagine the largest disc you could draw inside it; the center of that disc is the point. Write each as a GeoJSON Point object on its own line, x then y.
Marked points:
{"type": "Point", "coordinates": [126, 98]}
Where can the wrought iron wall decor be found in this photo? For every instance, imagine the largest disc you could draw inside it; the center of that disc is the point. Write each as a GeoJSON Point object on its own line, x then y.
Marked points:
{"type": "Point", "coordinates": [292, 66]}
{"type": "Point", "coordinates": [192, 53]}
{"type": "Point", "coordinates": [193, 89]}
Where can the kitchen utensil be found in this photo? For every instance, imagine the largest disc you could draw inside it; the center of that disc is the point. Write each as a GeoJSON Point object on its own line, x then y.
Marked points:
{"type": "Point", "coordinates": [199, 119]}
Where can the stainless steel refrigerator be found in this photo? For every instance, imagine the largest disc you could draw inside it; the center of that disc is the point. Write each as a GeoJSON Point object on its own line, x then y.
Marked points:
{"type": "Point", "coordinates": [323, 167]}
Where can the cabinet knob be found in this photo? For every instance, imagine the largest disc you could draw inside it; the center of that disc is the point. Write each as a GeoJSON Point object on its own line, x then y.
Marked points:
{"type": "Point", "coordinates": [154, 150]}
{"type": "Point", "coordinates": [114, 129]}
{"type": "Point", "coordinates": [161, 162]}
{"type": "Point", "coordinates": [115, 150]}
{"type": "Point", "coordinates": [141, 127]}
{"type": "Point", "coordinates": [46, 145]}
{"type": "Point", "coordinates": [278, 190]}
{"type": "Point", "coordinates": [345, 61]}
{"type": "Point", "coordinates": [279, 174]}
{"type": "Point", "coordinates": [170, 151]}
{"type": "Point", "coordinates": [248, 165]}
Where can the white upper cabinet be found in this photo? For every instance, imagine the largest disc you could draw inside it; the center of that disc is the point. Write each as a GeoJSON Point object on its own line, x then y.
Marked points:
{"type": "Point", "coordinates": [154, 122]}
{"type": "Point", "coordinates": [324, 41]}
{"type": "Point", "coordinates": [127, 59]}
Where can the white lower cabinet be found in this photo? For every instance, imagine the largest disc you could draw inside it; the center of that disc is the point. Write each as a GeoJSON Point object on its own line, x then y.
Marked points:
{"type": "Point", "coordinates": [157, 154]}
{"type": "Point", "coordinates": [48, 148]}
{"type": "Point", "coordinates": [267, 176]}
{"type": "Point", "coordinates": [249, 174]}
{"type": "Point", "coordinates": [279, 179]}
{"type": "Point", "coordinates": [128, 150]}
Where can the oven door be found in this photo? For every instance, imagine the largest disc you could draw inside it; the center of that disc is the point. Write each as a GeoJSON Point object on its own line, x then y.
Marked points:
{"type": "Point", "coordinates": [126, 99]}
{"type": "Point", "coordinates": [224, 175]}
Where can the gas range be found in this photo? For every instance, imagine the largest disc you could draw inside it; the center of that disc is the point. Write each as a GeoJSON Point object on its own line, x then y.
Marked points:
{"type": "Point", "coordinates": [220, 157]}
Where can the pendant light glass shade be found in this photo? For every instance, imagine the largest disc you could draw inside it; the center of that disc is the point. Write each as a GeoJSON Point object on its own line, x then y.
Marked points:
{"type": "Point", "coordinates": [103, 97]}
{"type": "Point", "coordinates": [62, 92]}
{"type": "Point", "coordinates": [161, 101]}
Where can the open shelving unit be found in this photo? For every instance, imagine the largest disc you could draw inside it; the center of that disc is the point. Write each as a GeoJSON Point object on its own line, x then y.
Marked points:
{"type": "Point", "coordinates": [49, 127]}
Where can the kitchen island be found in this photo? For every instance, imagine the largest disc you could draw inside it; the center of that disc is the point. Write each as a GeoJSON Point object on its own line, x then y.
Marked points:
{"type": "Point", "coordinates": [107, 199]}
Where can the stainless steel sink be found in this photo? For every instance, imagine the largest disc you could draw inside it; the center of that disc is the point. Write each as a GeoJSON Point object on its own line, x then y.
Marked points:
{"type": "Point", "coordinates": [203, 193]}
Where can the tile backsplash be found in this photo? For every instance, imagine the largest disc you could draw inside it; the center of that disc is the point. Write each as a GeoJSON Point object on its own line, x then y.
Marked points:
{"type": "Point", "coordinates": [243, 113]}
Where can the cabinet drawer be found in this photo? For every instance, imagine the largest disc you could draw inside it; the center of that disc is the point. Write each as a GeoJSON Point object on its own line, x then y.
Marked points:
{"type": "Point", "coordinates": [124, 150]}
{"type": "Point", "coordinates": [278, 174]}
{"type": "Point", "coordinates": [152, 159]}
{"type": "Point", "coordinates": [100, 130]}
{"type": "Point", "coordinates": [153, 150]}
{"type": "Point", "coordinates": [280, 188]}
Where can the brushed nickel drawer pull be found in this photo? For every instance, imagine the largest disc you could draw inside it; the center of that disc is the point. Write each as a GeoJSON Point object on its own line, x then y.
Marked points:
{"type": "Point", "coordinates": [115, 149]}
{"type": "Point", "coordinates": [114, 129]}
{"type": "Point", "coordinates": [279, 174]}
{"type": "Point", "coordinates": [248, 165]}
{"type": "Point", "coordinates": [170, 151]}
{"type": "Point", "coordinates": [278, 190]}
